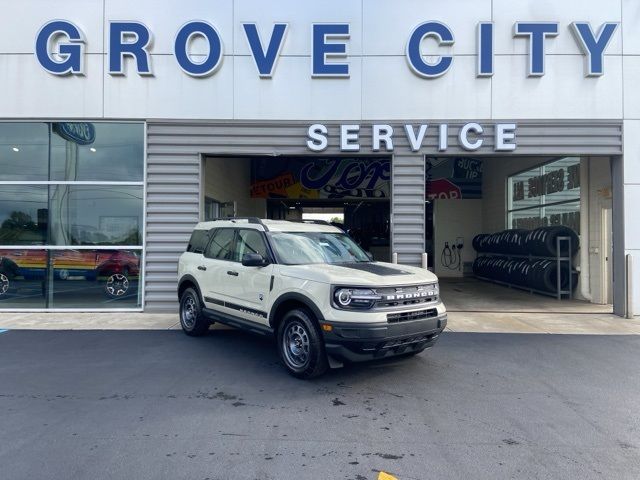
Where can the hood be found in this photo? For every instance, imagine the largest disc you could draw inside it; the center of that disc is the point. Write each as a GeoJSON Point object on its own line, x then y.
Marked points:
{"type": "Point", "coordinates": [360, 274]}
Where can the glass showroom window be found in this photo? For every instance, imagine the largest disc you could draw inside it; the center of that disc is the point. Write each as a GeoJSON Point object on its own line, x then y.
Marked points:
{"type": "Point", "coordinates": [546, 195]}
{"type": "Point", "coordinates": [71, 215]}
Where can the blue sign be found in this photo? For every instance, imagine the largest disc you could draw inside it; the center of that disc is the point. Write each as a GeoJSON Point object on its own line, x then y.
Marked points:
{"type": "Point", "coordinates": [328, 47]}
{"type": "Point", "coordinates": [82, 133]}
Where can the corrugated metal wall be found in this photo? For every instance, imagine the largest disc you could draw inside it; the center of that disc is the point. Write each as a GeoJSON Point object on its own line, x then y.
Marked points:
{"type": "Point", "coordinates": [174, 150]}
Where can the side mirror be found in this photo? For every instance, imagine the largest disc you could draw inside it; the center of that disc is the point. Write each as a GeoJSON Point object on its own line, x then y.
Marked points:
{"type": "Point", "coordinates": [254, 260]}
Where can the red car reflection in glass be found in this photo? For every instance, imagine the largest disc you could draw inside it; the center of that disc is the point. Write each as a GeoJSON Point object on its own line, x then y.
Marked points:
{"type": "Point", "coordinates": [113, 267]}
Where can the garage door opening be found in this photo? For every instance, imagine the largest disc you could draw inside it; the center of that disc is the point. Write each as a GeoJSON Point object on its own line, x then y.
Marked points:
{"type": "Point", "coordinates": [493, 225]}
{"type": "Point", "coordinates": [350, 192]}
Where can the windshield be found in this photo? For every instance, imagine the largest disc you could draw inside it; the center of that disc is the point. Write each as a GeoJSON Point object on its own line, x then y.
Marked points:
{"type": "Point", "coordinates": [301, 248]}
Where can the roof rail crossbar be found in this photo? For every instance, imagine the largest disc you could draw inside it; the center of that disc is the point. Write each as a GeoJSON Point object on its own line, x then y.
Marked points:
{"type": "Point", "coordinates": [315, 222]}
{"type": "Point", "coordinates": [253, 220]}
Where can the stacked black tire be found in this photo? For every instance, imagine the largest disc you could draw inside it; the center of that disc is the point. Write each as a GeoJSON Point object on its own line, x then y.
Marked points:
{"type": "Point", "coordinates": [526, 271]}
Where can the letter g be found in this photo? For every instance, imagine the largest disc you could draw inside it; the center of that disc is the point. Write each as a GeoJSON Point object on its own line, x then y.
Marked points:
{"type": "Point", "coordinates": [70, 53]}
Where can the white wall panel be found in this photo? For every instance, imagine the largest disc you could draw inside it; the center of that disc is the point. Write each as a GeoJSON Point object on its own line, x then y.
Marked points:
{"type": "Point", "coordinates": [384, 85]}
{"type": "Point", "coordinates": [299, 15]}
{"type": "Point", "coordinates": [391, 91]}
{"type": "Point", "coordinates": [631, 21]}
{"type": "Point", "coordinates": [631, 91]}
{"type": "Point", "coordinates": [387, 25]}
{"type": "Point", "coordinates": [636, 280]}
{"type": "Point", "coordinates": [507, 12]}
{"type": "Point", "coordinates": [632, 225]}
{"type": "Point", "coordinates": [170, 93]}
{"type": "Point", "coordinates": [23, 19]}
{"type": "Point", "coordinates": [562, 93]}
{"type": "Point", "coordinates": [30, 92]}
{"type": "Point", "coordinates": [291, 94]}
{"type": "Point", "coordinates": [164, 19]}
{"type": "Point", "coordinates": [632, 152]}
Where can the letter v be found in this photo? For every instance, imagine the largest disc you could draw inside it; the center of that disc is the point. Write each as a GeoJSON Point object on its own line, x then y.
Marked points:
{"type": "Point", "coordinates": [415, 140]}
{"type": "Point", "coordinates": [265, 61]}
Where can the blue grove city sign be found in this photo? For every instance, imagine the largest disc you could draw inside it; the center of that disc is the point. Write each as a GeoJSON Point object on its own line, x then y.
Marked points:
{"type": "Point", "coordinates": [328, 47]}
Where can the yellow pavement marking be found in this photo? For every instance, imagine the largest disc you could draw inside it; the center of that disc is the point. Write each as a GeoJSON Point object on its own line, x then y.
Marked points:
{"type": "Point", "coordinates": [386, 476]}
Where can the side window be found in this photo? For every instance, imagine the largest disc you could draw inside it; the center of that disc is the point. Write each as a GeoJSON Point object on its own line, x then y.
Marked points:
{"type": "Point", "coordinates": [222, 245]}
{"type": "Point", "coordinates": [198, 241]}
{"type": "Point", "coordinates": [251, 241]}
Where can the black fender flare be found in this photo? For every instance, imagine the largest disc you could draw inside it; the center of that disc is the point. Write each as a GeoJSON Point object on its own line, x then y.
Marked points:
{"type": "Point", "coordinates": [190, 279]}
{"type": "Point", "coordinates": [9, 267]}
{"type": "Point", "coordinates": [298, 297]}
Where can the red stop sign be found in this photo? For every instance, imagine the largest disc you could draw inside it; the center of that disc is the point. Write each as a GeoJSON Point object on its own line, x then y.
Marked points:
{"type": "Point", "coordinates": [442, 188]}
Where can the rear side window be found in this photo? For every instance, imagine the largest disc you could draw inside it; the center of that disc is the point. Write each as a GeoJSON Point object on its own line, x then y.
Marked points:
{"type": "Point", "coordinates": [222, 245]}
{"type": "Point", "coordinates": [198, 241]}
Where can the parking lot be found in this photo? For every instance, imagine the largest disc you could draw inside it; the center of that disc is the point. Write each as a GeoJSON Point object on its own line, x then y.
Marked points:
{"type": "Point", "coordinates": [157, 404]}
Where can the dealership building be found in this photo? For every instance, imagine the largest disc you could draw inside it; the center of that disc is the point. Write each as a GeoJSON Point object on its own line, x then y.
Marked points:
{"type": "Point", "coordinates": [416, 125]}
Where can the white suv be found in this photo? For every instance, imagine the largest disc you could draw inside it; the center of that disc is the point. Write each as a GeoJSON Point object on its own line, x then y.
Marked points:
{"type": "Point", "coordinates": [312, 286]}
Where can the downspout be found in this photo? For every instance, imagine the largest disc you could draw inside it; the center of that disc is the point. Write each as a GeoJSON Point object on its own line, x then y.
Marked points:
{"type": "Point", "coordinates": [585, 277]}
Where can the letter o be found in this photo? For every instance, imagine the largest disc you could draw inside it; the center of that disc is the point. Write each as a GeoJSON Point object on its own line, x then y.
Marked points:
{"type": "Point", "coordinates": [185, 35]}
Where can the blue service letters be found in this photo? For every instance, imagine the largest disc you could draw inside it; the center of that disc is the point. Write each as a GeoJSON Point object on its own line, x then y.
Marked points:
{"type": "Point", "coordinates": [329, 43]}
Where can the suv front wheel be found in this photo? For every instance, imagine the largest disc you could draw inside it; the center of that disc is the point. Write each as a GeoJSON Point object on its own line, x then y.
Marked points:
{"type": "Point", "coordinates": [301, 346]}
{"type": "Point", "coordinates": [192, 321]}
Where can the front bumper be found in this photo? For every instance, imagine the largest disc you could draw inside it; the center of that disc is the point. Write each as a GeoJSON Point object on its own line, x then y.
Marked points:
{"type": "Point", "coordinates": [357, 342]}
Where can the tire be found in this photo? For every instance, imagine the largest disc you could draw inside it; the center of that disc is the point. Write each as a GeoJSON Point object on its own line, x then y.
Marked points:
{"type": "Point", "coordinates": [5, 283]}
{"type": "Point", "coordinates": [117, 285]}
{"type": "Point", "coordinates": [192, 321]}
{"type": "Point", "coordinates": [301, 345]}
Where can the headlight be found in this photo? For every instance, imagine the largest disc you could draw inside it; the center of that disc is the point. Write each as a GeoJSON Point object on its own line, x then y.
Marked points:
{"type": "Point", "coordinates": [355, 298]}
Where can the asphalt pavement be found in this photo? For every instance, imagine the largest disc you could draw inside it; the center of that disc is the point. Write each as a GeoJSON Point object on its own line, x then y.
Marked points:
{"type": "Point", "coordinates": [158, 404]}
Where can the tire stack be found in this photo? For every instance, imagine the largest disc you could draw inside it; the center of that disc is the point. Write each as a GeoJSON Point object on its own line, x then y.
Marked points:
{"type": "Point", "coordinates": [524, 269]}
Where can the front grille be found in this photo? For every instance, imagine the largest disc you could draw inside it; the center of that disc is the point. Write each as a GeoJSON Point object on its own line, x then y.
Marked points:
{"type": "Point", "coordinates": [396, 345]}
{"type": "Point", "coordinates": [408, 316]}
{"type": "Point", "coordinates": [406, 296]}
{"type": "Point", "coordinates": [407, 342]}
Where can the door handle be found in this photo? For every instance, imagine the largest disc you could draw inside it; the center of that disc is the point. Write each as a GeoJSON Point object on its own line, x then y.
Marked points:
{"type": "Point", "coordinates": [203, 268]}
{"type": "Point", "coordinates": [232, 273]}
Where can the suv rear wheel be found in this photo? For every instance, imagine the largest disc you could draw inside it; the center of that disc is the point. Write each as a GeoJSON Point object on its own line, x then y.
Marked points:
{"type": "Point", "coordinates": [5, 283]}
{"type": "Point", "coordinates": [117, 285]}
{"type": "Point", "coordinates": [301, 346]}
{"type": "Point", "coordinates": [192, 321]}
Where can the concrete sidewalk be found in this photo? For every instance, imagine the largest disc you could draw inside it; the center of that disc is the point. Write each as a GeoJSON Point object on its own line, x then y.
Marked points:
{"type": "Point", "coordinates": [479, 322]}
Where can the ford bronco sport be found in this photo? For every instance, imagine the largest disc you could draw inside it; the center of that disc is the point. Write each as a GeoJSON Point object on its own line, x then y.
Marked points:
{"type": "Point", "coordinates": [311, 286]}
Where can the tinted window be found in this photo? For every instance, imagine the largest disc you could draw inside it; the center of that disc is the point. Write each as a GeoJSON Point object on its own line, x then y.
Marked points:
{"type": "Point", "coordinates": [96, 215]}
{"type": "Point", "coordinates": [115, 154]}
{"type": "Point", "coordinates": [23, 214]}
{"type": "Point", "coordinates": [24, 151]}
{"type": "Point", "coordinates": [198, 241]}
{"type": "Point", "coordinates": [251, 241]}
{"type": "Point", "coordinates": [222, 245]}
{"type": "Point", "coordinates": [94, 278]}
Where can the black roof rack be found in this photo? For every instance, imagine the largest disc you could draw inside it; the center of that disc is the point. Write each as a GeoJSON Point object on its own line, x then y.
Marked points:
{"type": "Point", "coordinates": [316, 222]}
{"type": "Point", "coordinates": [254, 220]}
